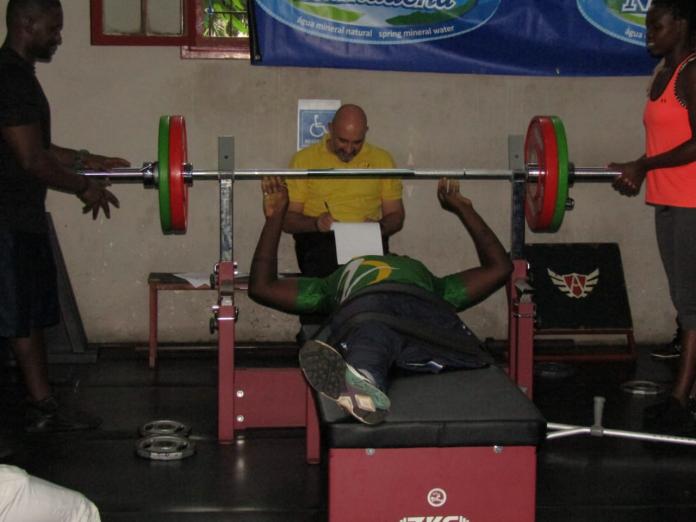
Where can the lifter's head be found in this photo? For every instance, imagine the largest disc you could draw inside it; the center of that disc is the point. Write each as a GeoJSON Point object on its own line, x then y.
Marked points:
{"type": "Point", "coordinates": [347, 132]}
{"type": "Point", "coordinates": [34, 27]}
{"type": "Point", "coordinates": [670, 25]}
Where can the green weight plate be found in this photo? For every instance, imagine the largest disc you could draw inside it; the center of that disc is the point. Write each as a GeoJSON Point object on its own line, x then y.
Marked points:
{"type": "Point", "coordinates": [163, 175]}
{"type": "Point", "coordinates": [563, 173]}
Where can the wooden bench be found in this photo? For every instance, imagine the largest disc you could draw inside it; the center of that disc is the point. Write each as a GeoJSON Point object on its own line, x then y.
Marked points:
{"type": "Point", "coordinates": [157, 282]}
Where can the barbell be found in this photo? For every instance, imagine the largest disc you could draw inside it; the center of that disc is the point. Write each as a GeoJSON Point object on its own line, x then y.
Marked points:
{"type": "Point", "coordinates": [547, 174]}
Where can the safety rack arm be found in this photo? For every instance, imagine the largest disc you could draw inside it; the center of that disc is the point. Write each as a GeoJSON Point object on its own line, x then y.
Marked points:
{"type": "Point", "coordinates": [225, 312]}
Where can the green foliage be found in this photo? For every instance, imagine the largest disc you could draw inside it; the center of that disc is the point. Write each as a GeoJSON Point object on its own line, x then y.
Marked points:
{"type": "Point", "coordinates": [225, 18]}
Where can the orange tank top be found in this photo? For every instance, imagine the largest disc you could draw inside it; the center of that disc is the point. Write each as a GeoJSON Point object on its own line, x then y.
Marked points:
{"type": "Point", "coordinates": [666, 123]}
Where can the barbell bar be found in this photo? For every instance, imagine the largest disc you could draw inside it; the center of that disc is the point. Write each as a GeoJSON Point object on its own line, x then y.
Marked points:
{"type": "Point", "coordinates": [547, 174]}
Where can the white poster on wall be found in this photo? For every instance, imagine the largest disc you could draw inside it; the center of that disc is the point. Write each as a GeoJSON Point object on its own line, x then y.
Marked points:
{"type": "Point", "coordinates": [313, 118]}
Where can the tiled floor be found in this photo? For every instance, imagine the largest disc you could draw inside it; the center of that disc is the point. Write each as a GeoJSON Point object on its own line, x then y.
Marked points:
{"type": "Point", "coordinates": [263, 477]}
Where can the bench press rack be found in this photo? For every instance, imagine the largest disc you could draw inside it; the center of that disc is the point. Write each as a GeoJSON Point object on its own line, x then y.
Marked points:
{"type": "Point", "coordinates": [473, 449]}
{"type": "Point", "coordinates": [280, 397]}
{"type": "Point", "coordinates": [541, 175]}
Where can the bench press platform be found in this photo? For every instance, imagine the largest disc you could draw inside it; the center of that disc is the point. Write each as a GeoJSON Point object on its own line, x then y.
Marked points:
{"type": "Point", "coordinates": [457, 446]}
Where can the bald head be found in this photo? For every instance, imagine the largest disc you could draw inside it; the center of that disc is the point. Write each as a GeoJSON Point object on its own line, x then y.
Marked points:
{"type": "Point", "coordinates": [348, 129]}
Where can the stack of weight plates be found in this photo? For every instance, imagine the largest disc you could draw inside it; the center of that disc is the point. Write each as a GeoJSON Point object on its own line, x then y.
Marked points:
{"type": "Point", "coordinates": [164, 440]}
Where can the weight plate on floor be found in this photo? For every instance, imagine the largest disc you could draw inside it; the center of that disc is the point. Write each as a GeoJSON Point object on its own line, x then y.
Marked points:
{"type": "Point", "coordinates": [178, 190]}
{"type": "Point", "coordinates": [164, 427]}
{"type": "Point", "coordinates": [163, 174]}
{"type": "Point", "coordinates": [645, 388]}
{"type": "Point", "coordinates": [165, 447]}
{"type": "Point", "coordinates": [541, 153]}
{"type": "Point", "coordinates": [563, 169]}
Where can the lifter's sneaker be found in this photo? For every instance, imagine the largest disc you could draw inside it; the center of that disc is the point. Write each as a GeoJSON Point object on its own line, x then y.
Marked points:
{"type": "Point", "coordinates": [49, 416]}
{"type": "Point", "coordinates": [329, 374]}
{"type": "Point", "coordinates": [672, 350]}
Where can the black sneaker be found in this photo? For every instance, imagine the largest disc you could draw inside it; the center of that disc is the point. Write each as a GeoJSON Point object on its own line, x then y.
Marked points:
{"type": "Point", "coordinates": [48, 416]}
{"type": "Point", "coordinates": [327, 372]}
{"type": "Point", "coordinates": [671, 350]}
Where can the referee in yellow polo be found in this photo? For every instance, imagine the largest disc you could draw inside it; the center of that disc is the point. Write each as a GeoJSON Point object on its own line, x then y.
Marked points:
{"type": "Point", "coordinates": [316, 203]}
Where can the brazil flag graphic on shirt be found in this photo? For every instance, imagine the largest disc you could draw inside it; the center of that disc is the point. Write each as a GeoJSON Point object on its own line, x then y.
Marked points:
{"type": "Point", "coordinates": [326, 294]}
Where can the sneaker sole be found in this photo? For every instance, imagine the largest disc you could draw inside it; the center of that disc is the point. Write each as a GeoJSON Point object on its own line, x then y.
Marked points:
{"type": "Point", "coordinates": [323, 367]}
{"type": "Point", "coordinates": [329, 374]}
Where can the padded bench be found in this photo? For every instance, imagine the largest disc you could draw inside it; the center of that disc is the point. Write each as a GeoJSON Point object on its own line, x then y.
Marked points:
{"type": "Point", "coordinates": [458, 446]}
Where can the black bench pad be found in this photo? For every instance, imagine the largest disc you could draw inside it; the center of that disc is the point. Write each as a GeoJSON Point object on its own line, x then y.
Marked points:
{"type": "Point", "coordinates": [457, 408]}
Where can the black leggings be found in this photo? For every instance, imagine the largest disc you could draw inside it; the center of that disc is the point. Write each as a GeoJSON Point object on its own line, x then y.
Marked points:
{"type": "Point", "coordinates": [675, 228]}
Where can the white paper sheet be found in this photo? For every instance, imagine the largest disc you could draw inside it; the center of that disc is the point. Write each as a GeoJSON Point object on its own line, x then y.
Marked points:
{"type": "Point", "coordinates": [357, 239]}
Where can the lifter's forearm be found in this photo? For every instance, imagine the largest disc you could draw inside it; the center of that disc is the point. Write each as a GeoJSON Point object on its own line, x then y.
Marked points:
{"type": "Point", "coordinates": [264, 264]}
{"type": "Point", "coordinates": [297, 223]}
{"type": "Point", "coordinates": [488, 247]}
{"type": "Point", "coordinates": [264, 285]}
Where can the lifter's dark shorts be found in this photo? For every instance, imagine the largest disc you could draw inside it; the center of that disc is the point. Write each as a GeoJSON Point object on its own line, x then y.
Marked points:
{"type": "Point", "coordinates": [28, 286]}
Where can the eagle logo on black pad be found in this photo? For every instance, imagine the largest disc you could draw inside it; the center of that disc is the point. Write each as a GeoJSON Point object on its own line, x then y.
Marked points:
{"type": "Point", "coordinates": [574, 285]}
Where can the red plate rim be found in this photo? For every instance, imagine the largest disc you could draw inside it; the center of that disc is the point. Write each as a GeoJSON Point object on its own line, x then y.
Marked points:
{"type": "Point", "coordinates": [540, 148]}
{"type": "Point", "coordinates": [178, 191]}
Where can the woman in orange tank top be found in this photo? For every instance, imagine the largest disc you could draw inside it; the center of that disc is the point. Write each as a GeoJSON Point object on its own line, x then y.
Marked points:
{"type": "Point", "coordinates": [669, 169]}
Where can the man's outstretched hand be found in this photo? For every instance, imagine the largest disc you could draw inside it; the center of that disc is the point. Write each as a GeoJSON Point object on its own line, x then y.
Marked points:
{"type": "Point", "coordinates": [449, 196]}
{"type": "Point", "coordinates": [275, 196]}
{"type": "Point", "coordinates": [96, 196]}
{"type": "Point", "coordinates": [103, 163]}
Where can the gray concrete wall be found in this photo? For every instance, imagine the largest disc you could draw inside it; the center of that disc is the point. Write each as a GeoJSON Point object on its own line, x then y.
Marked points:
{"type": "Point", "coordinates": [109, 99]}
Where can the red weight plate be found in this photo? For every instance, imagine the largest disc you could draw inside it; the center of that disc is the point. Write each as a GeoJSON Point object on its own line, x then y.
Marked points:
{"type": "Point", "coordinates": [541, 152]}
{"type": "Point", "coordinates": [178, 189]}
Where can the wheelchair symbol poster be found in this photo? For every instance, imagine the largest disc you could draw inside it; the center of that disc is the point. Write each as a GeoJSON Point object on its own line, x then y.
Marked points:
{"type": "Point", "coordinates": [313, 118]}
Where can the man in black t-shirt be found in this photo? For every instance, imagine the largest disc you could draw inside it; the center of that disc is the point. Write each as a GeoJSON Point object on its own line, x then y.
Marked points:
{"type": "Point", "coordinates": [29, 165]}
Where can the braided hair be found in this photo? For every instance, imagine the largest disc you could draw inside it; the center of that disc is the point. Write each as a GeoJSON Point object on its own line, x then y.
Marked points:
{"type": "Point", "coordinates": [683, 9]}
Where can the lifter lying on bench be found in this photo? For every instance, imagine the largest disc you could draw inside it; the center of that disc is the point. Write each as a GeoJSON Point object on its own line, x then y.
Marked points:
{"type": "Point", "coordinates": [386, 310]}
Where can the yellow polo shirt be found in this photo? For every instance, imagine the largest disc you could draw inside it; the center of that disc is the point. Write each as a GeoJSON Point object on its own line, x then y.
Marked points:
{"type": "Point", "coordinates": [349, 200]}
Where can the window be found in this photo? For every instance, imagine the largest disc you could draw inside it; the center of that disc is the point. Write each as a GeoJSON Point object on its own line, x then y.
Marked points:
{"type": "Point", "coordinates": [202, 28]}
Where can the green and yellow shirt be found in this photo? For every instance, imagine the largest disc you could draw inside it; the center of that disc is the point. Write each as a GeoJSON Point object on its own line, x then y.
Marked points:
{"type": "Point", "coordinates": [323, 295]}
